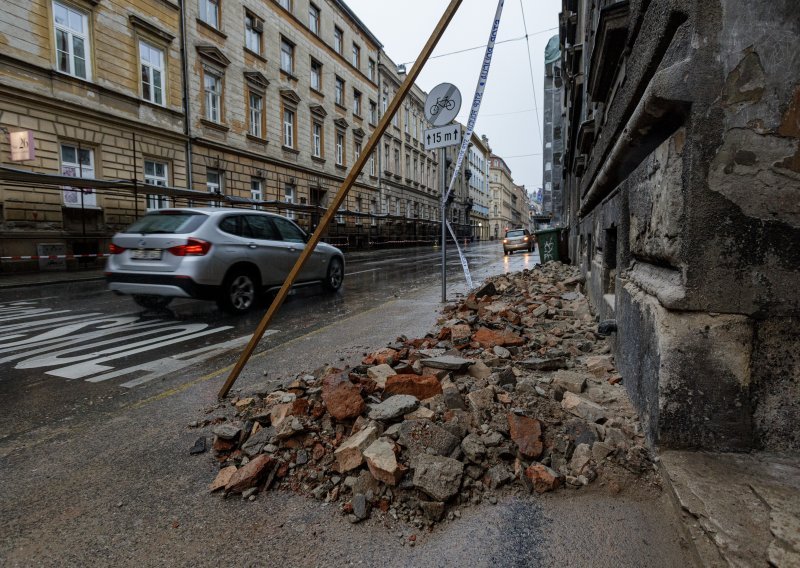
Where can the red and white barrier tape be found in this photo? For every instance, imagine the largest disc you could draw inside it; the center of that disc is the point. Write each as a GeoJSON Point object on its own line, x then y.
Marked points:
{"type": "Point", "coordinates": [54, 257]}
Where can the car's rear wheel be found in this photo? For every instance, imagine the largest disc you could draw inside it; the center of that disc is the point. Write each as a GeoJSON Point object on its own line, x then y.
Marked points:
{"type": "Point", "coordinates": [152, 302]}
{"type": "Point", "coordinates": [239, 292]}
{"type": "Point", "coordinates": [335, 275]}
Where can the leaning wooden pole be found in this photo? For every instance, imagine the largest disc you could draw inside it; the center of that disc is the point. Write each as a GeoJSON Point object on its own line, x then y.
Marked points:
{"type": "Point", "coordinates": [341, 194]}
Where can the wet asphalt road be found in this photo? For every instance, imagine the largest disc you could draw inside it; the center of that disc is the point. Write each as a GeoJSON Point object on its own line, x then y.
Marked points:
{"type": "Point", "coordinates": [95, 473]}
{"type": "Point", "coordinates": [76, 352]}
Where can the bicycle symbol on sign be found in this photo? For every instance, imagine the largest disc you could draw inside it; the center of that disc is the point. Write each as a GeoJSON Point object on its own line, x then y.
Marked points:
{"type": "Point", "coordinates": [442, 103]}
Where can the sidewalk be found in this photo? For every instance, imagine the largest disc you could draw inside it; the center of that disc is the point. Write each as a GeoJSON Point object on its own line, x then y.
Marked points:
{"type": "Point", "coordinates": [740, 509]}
{"type": "Point", "coordinates": [22, 280]}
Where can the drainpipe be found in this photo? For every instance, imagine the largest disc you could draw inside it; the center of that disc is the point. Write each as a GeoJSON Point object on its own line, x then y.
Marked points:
{"type": "Point", "coordinates": [187, 129]}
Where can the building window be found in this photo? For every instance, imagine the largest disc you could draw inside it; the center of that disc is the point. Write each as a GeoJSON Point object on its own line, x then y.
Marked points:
{"type": "Point", "coordinates": [356, 103]}
{"type": "Point", "coordinates": [253, 32]}
{"type": "Point", "coordinates": [415, 169]}
{"type": "Point", "coordinates": [256, 115]}
{"type": "Point", "coordinates": [397, 161]}
{"type": "Point", "coordinates": [287, 56]}
{"type": "Point", "coordinates": [213, 89]}
{"type": "Point", "coordinates": [373, 112]}
{"type": "Point", "coordinates": [313, 19]}
{"type": "Point", "coordinates": [372, 163]}
{"type": "Point", "coordinates": [339, 148]}
{"type": "Point", "coordinates": [386, 157]}
{"type": "Point", "coordinates": [288, 128]}
{"type": "Point", "coordinates": [356, 61]}
{"type": "Point", "coordinates": [256, 191]}
{"type": "Point", "coordinates": [286, 4]}
{"type": "Point", "coordinates": [339, 91]}
{"type": "Point", "coordinates": [316, 75]}
{"type": "Point", "coordinates": [371, 69]}
{"type": "Point", "coordinates": [408, 166]}
{"type": "Point", "coordinates": [214, 181]}
{"type": "Point", "coordinates": [317, 137]}
{"type": "Point", "coordinates": [155, 173]}
{"type": "Point", "coordinates": [338, 40]}
{"type": "Point", "coordinates": [288, 197]}
{"type": "Point", "coordinates": [77, 162]}
{"type": "Point", "coordinates": [408, 121]}
{"type": "Point", "coordinates": [72, 41]}
{"type": "Point", "coordinates": [357, 148]}
{"type": "Point", "coordinates": [152, 62]}
{"type": "Point", "coordinates": [209, 12]}
{"type": "Point", "coordinates": [385, 104]}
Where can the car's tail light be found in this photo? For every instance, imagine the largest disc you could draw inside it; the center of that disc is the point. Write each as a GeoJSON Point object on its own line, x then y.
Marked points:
{"type": "Point", "coordinates": [114, 249]}
{"type": "Point", "coordinates": [193, 247]}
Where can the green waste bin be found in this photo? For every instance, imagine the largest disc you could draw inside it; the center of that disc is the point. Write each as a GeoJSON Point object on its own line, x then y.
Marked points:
{"type": "Point", "coordinates": [547, 240]}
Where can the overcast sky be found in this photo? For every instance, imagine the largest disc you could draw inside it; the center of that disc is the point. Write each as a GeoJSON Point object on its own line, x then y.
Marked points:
{"type": "Point", "coordinates": [506, 115]}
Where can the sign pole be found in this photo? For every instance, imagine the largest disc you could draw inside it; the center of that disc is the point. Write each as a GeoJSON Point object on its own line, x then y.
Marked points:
{"type": "Point", "coordinates": [443, 167]}
{"type": "Point", "coordinates": [333, 208]}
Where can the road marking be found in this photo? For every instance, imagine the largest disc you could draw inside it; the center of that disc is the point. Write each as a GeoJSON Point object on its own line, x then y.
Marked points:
{"type": "Point", "coordinates": [178, 333]}
{"type": "Point", "coordinates": [177, 362]}
{"type": "Point", "coordinates": [44, 323]}
{"type": "Point", "coordinates": [362, 271]}
{"type": "Point", "coordinates": [80, 346]}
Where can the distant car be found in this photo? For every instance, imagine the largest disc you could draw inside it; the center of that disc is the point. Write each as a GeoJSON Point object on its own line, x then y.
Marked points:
{"type": "Point", "coordinates": [518, 239]}
{"type": "Point", "coordinates": [223, 254]}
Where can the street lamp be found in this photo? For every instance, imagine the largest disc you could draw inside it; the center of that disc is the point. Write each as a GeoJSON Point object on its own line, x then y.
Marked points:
{"type": "Point", "coordinates": [480, 230]}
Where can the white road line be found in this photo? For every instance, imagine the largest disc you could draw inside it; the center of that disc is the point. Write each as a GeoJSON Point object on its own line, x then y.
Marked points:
{"type": "Point", "coordinates": [85, 368]}
{"type": "Point", "coordinates": [177, 362]}
{"type": "Point", "coordinates": [31, 325]}
{"type": "Point", "coordinates": [77, 339]}
{"type": "Point", "coordinates": [362, 271]}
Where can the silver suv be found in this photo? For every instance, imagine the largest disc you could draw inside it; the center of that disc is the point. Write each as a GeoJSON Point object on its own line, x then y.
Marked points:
{"type": "Point", "coordinates": [227, 255]}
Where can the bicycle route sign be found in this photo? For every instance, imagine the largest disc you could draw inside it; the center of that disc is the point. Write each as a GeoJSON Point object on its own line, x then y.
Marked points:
{"type": "Point", "coordinates": [442, 104]}
{"type": "Point", "coordinates": [449, 135]}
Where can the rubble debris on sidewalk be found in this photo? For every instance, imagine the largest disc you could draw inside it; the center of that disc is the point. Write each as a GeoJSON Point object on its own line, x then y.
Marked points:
{"type": "Point", "coordinates": [514, 392]}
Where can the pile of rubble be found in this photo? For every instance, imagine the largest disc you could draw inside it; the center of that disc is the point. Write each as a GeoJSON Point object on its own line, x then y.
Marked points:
{"type": "Point", "coordinates": [515, 392]}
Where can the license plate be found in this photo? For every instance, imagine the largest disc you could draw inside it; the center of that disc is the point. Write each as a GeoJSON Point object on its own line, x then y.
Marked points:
{"type": "Point", "coordinates": [146, 254]}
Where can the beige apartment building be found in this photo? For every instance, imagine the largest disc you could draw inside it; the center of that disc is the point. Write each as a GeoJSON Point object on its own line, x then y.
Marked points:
{"type": "Point", "coordinates": [255, 103]}
{"type": "Point", "coordinates": [410, 183]}
{"type": "Point", "coordinates": [283, 97]}
{"type": "Point", "coordinates": [502, 197]}
{"type": "Point", "coordinates": [95, 92]}
{"type": "Point", "coordinates": [478, 164]}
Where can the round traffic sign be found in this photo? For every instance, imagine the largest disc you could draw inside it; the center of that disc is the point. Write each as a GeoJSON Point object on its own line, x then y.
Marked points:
{"type": "Point", "coordinates": [442, 104]}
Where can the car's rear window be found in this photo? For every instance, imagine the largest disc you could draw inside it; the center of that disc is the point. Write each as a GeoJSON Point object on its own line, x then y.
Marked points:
{"type": "Point", "coordinates": [515, 234]}
{"type": "Point", "coordinates": [167, 222]}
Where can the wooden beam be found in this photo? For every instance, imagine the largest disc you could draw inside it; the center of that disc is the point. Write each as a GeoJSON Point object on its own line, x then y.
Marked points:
{"type": "Point", "coordinates": [341, 194]}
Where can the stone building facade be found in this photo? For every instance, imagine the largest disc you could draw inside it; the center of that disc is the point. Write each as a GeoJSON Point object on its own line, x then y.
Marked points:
{"type": "Point", "coordinates": [71, 73]}
{"type": "Point", "coordinates": [261, 103]}
{"type": "Point", "coordinates": [283, 97]}
{"type": "Point", "coordinates": [478, 164]}
{"type": "Point", "coordinates": [501, 197]}
{"type": "Point", "coordinates": [553, 152]}
{"type": "Point", "coordinates": [410, 183]}
{"type": "Point", "coordinates": [682, 171]}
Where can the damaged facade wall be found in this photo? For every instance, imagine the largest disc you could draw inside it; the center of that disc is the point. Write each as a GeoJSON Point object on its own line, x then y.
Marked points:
{"type": "Point", "coordinates": [682, 167]}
